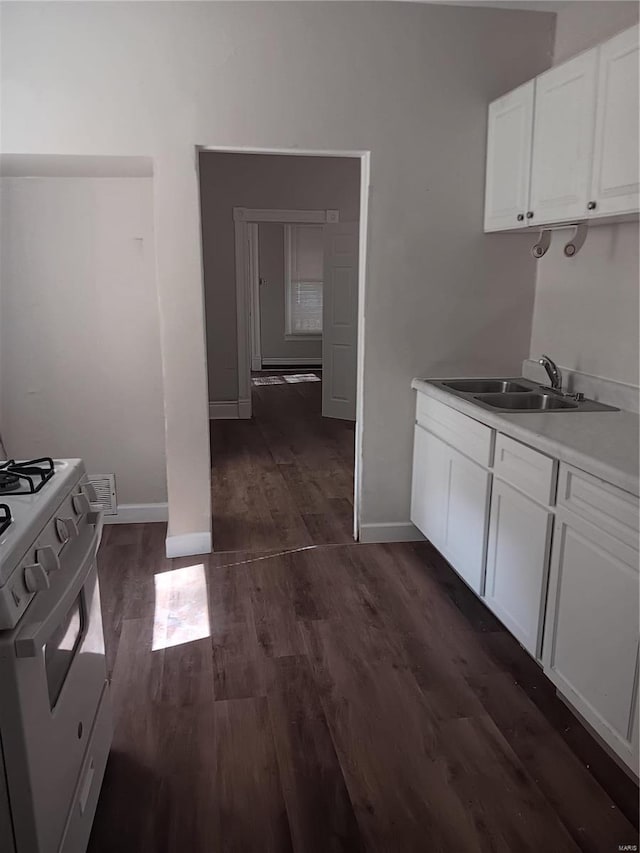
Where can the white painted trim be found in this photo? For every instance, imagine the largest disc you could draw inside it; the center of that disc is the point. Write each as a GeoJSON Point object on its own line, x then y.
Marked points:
{"type": "Point", "coordinates": [286, 230]}
{"type": "Point", "coordinates": [242, 310]}
{"type": "Point", "coordinates": [390, 532]}
{"type": "Point", "coordinates": [365, 175]}
{"type": "Point", "coordinates": [138, 514]}
{"type": "Point", "coordinates": [363, 236]}
{"type": "Point", "coordinates": [296, 152]}
{"type": "Point", "coordinates": [188, 544]}
{"type": "Point", "coordinates": [223, 410]}
{"type": "Point", "coordinates": [251, 214]}
{"type": "Point", "coordinates": [294, 362]}
{"type": "Point", "coordinates": [229, 410]}
{"type": "Point", "coordinates": [254, 301]}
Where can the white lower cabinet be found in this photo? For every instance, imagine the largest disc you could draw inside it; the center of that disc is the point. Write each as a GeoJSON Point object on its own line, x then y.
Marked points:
{"type": "Point", "coordinates": [517, 560]}
{"type": "Point", "coordinates": [450, 504]}
{"type": "Point", "coordinates": [430, 473]}
{"type": "Point", "coordinates": [569, 591]}
{"type": "Point", "coordinates": [591, 645]}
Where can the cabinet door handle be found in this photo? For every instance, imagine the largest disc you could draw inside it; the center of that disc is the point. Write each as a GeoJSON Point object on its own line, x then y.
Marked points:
{"type": "Point", "coordinates": [591, 205]}
{"type": "Point", "coordinates": [520, 217]}
{"type": "Point", "coordinates": [529, 214]}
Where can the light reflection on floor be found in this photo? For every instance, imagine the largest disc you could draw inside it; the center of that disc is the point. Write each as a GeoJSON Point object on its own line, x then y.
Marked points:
{"type": "Point", "coordinates": [182, 607]}
{"type": "Point", "coordinates": [291, 378]}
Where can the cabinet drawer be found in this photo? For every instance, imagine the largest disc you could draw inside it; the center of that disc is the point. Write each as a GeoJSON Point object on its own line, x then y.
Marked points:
{"type": "Point", "coordinates": [526, 469]}
{"type": "Point", "coordinates": [470, 437]}
{"type": "Point", "coordinates": [610, 508]}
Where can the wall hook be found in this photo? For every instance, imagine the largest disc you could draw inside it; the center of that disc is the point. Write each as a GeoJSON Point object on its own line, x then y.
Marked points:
{"type": "Point", "coordinates": [577, 241]}
{"type": "Point", "coordinates": [542, 246]}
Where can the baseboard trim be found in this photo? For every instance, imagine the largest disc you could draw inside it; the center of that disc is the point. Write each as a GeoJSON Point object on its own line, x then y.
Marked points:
{"type": "Point", "coordinates": [390, 532]}
{"type": "Point", "coordinates": [229, 410]}
{"type": "Point", "coordinates": [292, 362]}
{"type": "Point", "coordinates": [138, 514]}
{"type": "Point", "coordinates": [188, 544]}
{"type": "Point", "coordinates": [223, 410]}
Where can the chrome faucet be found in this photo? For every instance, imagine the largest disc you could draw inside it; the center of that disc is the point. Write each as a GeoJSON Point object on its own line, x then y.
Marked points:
{"type": "Point", "coordinates": [552, 372]}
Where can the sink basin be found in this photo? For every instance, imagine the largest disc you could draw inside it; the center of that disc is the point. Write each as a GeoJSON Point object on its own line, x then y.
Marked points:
{"type": "Point", "coordinates": [530, 402]}
{"type": "Point", "coordinates": [486, 386]}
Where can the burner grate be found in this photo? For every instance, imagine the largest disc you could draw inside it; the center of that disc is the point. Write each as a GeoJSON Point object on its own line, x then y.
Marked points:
{"type": "Point", "coordinates": [5, 518]}
{"type": "Point", "coordinates": [25, 478]}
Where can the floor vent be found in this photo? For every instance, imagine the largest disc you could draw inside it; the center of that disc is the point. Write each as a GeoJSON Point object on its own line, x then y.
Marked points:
{"type": "Point", "coordinates": [105, 486]}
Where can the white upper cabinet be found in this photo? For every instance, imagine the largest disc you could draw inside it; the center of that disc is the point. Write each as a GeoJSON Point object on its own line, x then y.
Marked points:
{"type": "Point", "coordinates": [615, 179]}
{"type": "Point", "coordinates": [509, 159]}
{"type": "Point", "coordinates": [564, 147]}
{"type": "Point", "coordinates": [563, 128]}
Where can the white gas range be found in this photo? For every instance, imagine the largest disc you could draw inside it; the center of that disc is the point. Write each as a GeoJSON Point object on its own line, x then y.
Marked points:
{"type": "Point", "coordinates": [55, 713]}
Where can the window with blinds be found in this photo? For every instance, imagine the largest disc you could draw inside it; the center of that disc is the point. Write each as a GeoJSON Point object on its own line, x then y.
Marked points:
{"type": "Point", "coordinates": [303, 280]}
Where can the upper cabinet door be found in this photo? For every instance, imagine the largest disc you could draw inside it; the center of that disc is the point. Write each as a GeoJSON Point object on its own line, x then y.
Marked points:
{"type": "Point", "coordinates": [563, 131]}
{"type": "Point", "coordinates": [615, 178]}
{"type": "Point", "coordinates": [509, 159]}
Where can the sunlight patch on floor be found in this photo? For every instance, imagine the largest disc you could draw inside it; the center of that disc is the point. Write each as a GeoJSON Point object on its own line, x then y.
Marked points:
{"type": "Point", "coordinates": [182, 607]}
{"type": "Point", "coordinates": [291, 379]}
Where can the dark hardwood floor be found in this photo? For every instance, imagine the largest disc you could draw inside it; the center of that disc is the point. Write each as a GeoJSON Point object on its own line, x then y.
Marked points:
{"type": "Point", "coordinates": [285, 477]}
{"type": "Point", "coordinates": [332, 697]}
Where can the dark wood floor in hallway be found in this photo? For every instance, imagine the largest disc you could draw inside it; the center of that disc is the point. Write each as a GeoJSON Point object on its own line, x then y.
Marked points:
{"type": "Point", "coordinates": [285, 477]}
{"type": "Point", "coordinates": [289, 694]}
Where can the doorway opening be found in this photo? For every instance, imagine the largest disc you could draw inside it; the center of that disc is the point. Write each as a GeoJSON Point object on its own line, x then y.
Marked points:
{"type": "Point", "coordinates": [283, 241]}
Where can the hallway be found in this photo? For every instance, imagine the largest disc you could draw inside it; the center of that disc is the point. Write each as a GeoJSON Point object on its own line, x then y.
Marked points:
{"type": "Point", "coordinates": [284, 478]}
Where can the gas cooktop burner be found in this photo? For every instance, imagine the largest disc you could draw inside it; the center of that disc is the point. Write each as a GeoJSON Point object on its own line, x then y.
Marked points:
{"type": "Point", "coordinates": [5, 518]}
{"type": "Point", "coordinates": [25, 478]}
{"type": "Point", "coordinates": [9, 482]}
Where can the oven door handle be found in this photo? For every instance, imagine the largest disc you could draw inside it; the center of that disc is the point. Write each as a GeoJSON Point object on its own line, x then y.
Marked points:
{"type": "Point", "coordinates": [31, 640]}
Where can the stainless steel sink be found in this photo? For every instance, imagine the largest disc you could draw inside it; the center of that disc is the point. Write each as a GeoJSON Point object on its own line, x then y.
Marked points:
{"type": "Point", "coordinates": [516, 394]}
{"type": "Point", "coordinates": [526, 402]}
{"type": "Point", "coordinates": [486, 386]}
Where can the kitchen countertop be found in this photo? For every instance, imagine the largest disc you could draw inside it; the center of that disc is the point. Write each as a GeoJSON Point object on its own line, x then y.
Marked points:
{"type": "Point", "coordinates": [604, 444]}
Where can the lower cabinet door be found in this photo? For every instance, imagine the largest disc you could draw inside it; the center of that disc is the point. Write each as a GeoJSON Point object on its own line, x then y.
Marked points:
{"type": "Point", "coordinates": [450, 504]}
{"type": "Point", "coordinates": [429, 484]}
{"type": "Point", "coordinates": [591, 644]}
{"type": "Point", "coordinates": [466, 512]}
{"type": "Point", "coordinates": [517, 563]}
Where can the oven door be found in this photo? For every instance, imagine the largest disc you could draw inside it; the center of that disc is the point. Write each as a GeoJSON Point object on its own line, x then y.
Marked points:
{"type": "Point", "coordinates": [57, 675]}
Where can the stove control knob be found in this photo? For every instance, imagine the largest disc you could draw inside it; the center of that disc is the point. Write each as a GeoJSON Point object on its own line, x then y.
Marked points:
{"type": "Point", "coordinates": [66, 529]}
{"type": "Point", "coordinates": [48, 558]}
{"type": "Point", "coordinates": [81, 503]}
{"type": "Point", "coordinates": [90, 491]}
{"type": "Point", "coordinates": [35, 578]}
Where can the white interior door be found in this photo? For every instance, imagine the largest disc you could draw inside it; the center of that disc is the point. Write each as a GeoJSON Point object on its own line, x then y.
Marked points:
{"type": "Point", "coordinates": [340, 320]}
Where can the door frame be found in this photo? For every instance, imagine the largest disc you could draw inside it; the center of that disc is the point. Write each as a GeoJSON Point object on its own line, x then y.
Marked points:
{"type": "Point", "coordinates": [364, 156]}
{"type": "Point", "coordinates": [253, 273]}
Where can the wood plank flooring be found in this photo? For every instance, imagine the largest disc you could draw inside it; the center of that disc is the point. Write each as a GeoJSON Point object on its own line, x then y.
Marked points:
{"type": "Point", "coordinates": [342, 697]}
{"type": "Point", "coordinates": [285, 477]}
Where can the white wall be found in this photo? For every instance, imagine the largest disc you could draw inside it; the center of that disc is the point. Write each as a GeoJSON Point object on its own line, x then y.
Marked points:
{"type": "Point", "coordinates": [586, 307]}
{"type": "Point", "coordinates": [256, 181]}
{"type": "Point", "coordinates": [409, 82]}
{"type": "Point", "coordinates": [79, 340]}
{"type": "Point", "coordinates": [581, 25]}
